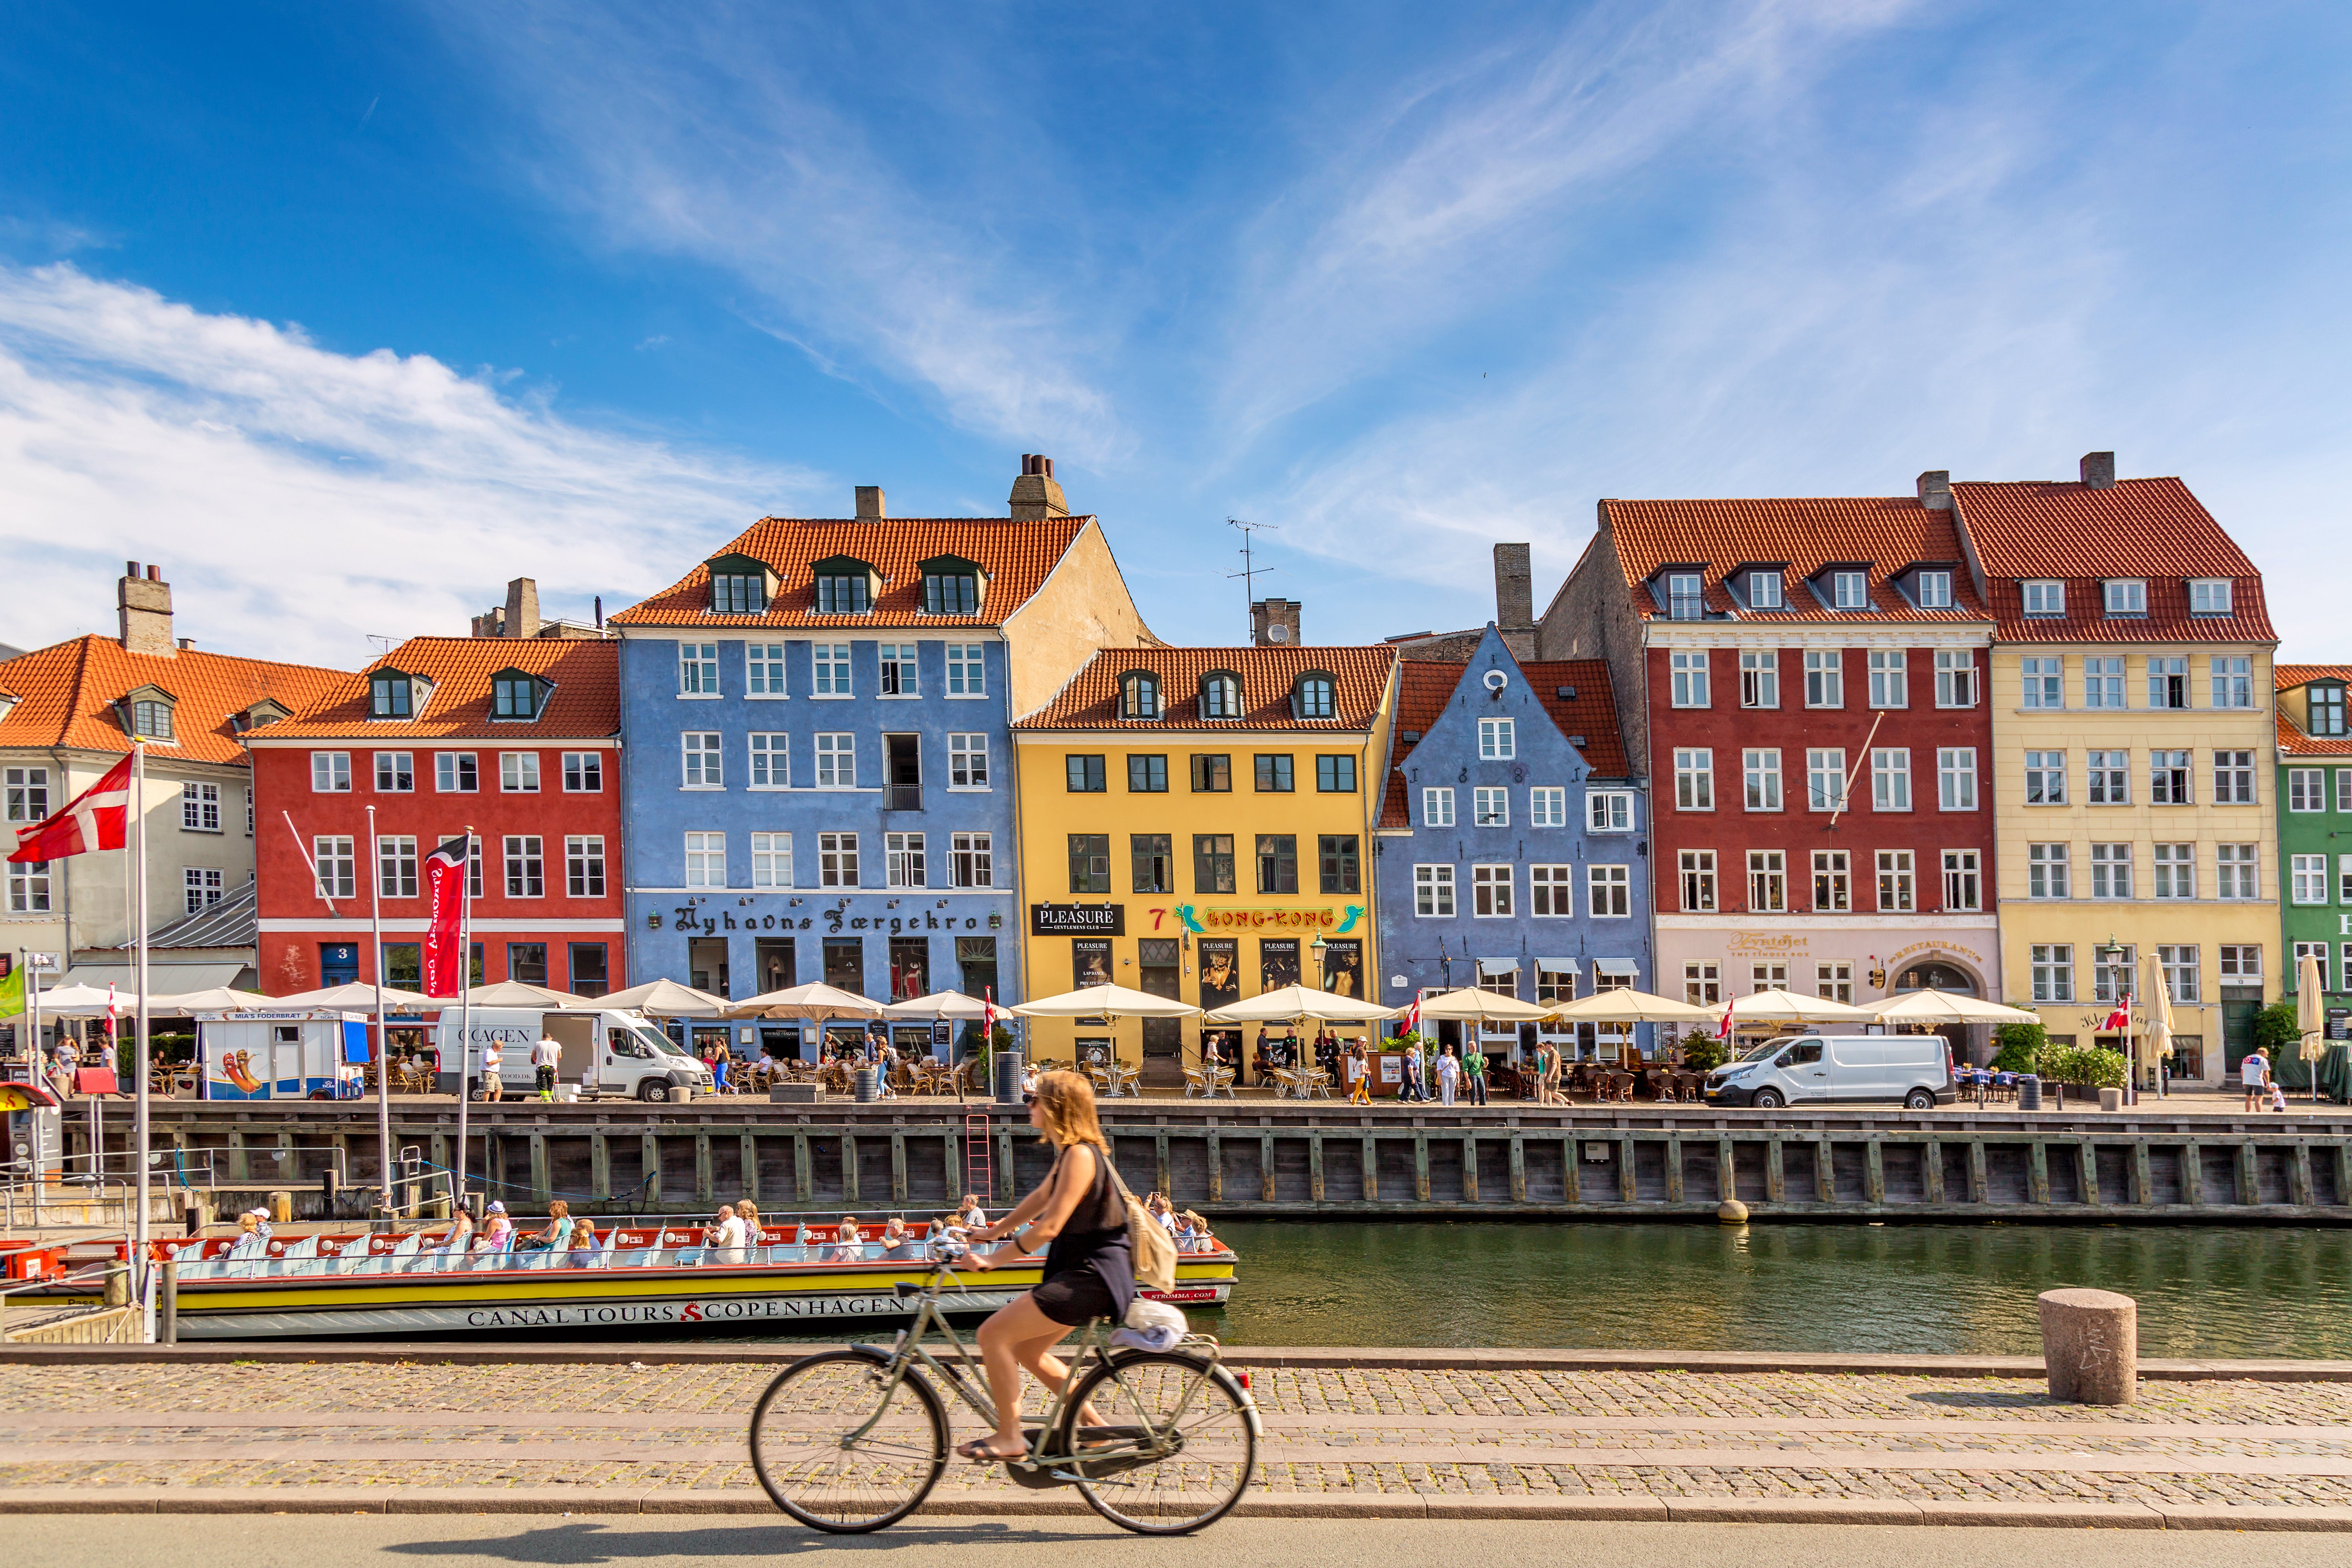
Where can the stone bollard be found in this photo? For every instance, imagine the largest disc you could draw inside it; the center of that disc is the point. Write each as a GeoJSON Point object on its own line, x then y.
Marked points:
{"type": "Point", "coordinates": [2090, 1345]}
{"type": "Point", "coordinates": [2111, 1099]}
{"type": "Point", "coordinates": [1731, 1211]}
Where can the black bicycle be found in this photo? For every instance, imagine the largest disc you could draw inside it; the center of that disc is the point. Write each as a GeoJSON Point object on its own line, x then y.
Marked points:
{"type": "Point", "coordinates": [853, 1440]}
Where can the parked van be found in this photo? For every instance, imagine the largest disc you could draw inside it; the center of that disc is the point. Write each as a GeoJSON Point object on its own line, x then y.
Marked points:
{"type": "Point", "coordinates": [610, 1052]}
{"type": "Point", "coordinates": [1837, 1069]}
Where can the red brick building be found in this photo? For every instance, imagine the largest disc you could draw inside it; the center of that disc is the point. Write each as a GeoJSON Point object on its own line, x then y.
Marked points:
{"type": "Point", "coordinates": [514, 737]}
{"type": "Point", "coordinates": [1805, 682]}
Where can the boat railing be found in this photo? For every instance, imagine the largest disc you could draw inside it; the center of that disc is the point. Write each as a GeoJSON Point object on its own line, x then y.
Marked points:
{"type": "Point", "coordinates": [432, 1260]}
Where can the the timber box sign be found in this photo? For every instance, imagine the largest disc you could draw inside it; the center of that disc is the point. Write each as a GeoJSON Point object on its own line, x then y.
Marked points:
{"type": "Point", "coordinates": [1077, 920]}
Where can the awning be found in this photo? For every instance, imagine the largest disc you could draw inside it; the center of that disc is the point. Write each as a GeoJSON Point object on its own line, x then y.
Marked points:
{"type": "Point", "coordinates": [1499, 966]}
{"type": "Point", "coordinates": [162, 979]}
{"type": "Point", "coordinates": [1557, 965]}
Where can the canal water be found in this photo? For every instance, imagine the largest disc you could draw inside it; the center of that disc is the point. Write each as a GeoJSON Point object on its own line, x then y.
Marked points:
{"type": "Point", "coordinates": [2206, 1291]}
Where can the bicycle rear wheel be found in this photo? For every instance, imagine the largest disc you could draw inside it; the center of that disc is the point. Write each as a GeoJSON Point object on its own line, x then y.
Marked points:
{"type": "Point", "coordinates": [839, 1447]}
{"type": "Point", "coordinates": [1182, 1448]}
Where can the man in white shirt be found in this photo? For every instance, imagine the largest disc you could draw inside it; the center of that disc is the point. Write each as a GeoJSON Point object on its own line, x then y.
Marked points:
{"type": "Point", "coordinates": [492, 1087]}
{"type": "Point", "coordinates": [728, 1237]}
{"type": "Point", "coordinates": [545, 1058]}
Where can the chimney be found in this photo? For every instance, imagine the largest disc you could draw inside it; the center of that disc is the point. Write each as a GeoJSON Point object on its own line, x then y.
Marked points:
{"type": "Point", "coordinates": [1935, 490]}
{"type": "Point", "coordinates": [2098, 470]}
{"type": "Point", "coordinates": [1035, 494]}
{"type": "Point", "coordinates": [144, 605]}
{"type": "Point", "coordinates": [523, 609]}
{"type": "Point", "coordinates": [1273, 623]}
{"type": "Point", "coordinates": [869, 503]}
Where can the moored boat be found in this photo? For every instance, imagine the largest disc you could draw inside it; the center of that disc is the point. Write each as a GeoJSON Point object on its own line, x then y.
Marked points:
{"type": "Point", "coordinates": [643, 1274]}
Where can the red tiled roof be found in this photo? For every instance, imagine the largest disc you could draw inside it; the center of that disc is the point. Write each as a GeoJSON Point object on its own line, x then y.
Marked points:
{"type": "Point", "coordinates": [2070, 532]}
{"type": "Point", "coordinates": [66, 693]}
{"type": "Point", "coordinates": [1015, 557]}
{"type": "Point", "coordinates": [1888, 533]}
{"type": "Point", "coordinates": [1090, 702]}
{"type": "Point", "coordinates": [585, 703]}
{"type": "Point", "coordinates": [2291, 740]}
{"type": "Point", "coordinates": [1425, 687]}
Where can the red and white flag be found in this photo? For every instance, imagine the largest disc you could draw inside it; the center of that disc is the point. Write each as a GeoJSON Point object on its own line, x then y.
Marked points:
{"type": "Point", "coordinates": [96, 818]}
{"type": "Point", "coordinates": [2119, 1021]}
{"type": "Point", "coordinates": [1723, 1027]}
{"type": "Point", "coordinates": [444, 906]}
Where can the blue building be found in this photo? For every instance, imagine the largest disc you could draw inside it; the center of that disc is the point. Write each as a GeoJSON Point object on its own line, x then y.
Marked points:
{"type": "Point", "coordinates": [816, 746]}
{"type": "Point", "coordinates": [1513, 841]}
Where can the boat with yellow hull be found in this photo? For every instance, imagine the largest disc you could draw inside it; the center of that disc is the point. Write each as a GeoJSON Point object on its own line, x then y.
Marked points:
{"type": "Point", "coordinates": [358, 1284]}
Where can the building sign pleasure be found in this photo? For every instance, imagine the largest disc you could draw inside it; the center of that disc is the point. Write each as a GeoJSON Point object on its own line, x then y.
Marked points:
{"type": "Point", "coordinates": [1077, 920]}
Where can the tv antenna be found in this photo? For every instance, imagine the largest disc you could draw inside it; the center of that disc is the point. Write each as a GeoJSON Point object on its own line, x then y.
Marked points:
{"type": "Point", "coordinates": [1249, 569]}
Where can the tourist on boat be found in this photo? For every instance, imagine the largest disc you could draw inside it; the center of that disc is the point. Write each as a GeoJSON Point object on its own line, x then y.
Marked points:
{"type": "Point", "coordinates": [249, 1242]}
{"type": "Point", "coordinates": [583, 1246]}
{"type": "Point", "coordinates": [899, 1245]}
{"type": "Point", "coordinates": [755, 1229]}
{"type": "Point", "coordinates": [725, 1237]}
{"type": "Point", "coordinates": [498, 1230]}
{"type": "Point", "coordinates": [1187, 1232]}
{"type": "Point", "coordinates": [461, 1237]}
{"type": "Point", "coordinates": [1449, 1075]}
{"type": "Point", "coordinates": [968, 1214]}
{"type": "Point", "coordinates": [1080, 1212]}
{"type": "Point", "coordinates": [848, 1243]}
{"type": "Point", "coordinates": [558, 1234]}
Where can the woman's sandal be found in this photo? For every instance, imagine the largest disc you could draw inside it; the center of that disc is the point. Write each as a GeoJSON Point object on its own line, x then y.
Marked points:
{"type": "Point", "coordinates": [979, 1451]}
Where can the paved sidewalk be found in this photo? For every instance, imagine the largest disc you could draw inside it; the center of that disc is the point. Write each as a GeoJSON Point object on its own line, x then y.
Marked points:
{"type": "Point", "coordinates": [333, 1435]}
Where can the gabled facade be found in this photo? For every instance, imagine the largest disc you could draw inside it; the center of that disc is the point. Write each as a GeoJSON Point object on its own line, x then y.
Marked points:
{"type": "Point", "coordinates": [1195, 823]}
{"type": "Point", "coordinates": [517, 739]}
{"type": "Point", "coordinates": [68, 714]}
{"type": "Point", "coordinates": [1804, 681]}
{"type": "Point", "coordinates": [1511, 840]}
{"type": "Point", "coordinates": [2132, 723]}
{"type": "Point", "coordinates": [2315, 817]}
{"type": "Point", "coordinates": [819, 762]}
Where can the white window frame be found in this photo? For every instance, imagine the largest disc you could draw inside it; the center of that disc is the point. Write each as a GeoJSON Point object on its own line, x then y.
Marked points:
{"type": "Point", "coordinates": [517, 772]}
{"type": "Point", "coordinates": [584, 866]}
{"type": "Point", "coordinates": [449, 771]}
{"type": "Point", "coordinates": [2053, 968]}
{"type": "Point", "coordinates": [1546, 805]}
{"type": "Point", "coordinates": [2230, 682]}
{"type": "Point", "coordinates": [1890, 677]}
{"type": "Point", "coordinates": [1890, 778]}
{"type": "Point", "coordinates": [1609, 892]}
{"type": "Point", "coordinates": [968, 762]}
{"type": "Point", "coordinates": [1848, 590]}
{"type": "Point", "coordinates": [2163, 670]}
{"type": "Point", "coordinates": [1825, 677]}
{"type": "Point", "coordinates": [698, 670]}
{"type": "Point", "coordinates": [1432, 892]}
{"type": "Point", "coordinates": [1767, 881]}
{"type": "Point", "coordinates": [1551, 892]}
{"type": "Point", "coordinates": [837, 860]}
{"type": "Point", "coordinates": [771, 859]}
{"type": "Point", "coordinates": [2044, 598]}
{"type": "Point", "coordinates": [1695, 881]}
{"type": "Point", "coordinates": [1935, 590]}
{"type": "Point", "coordinates": [971, 860]}
{"type": "Point", "coordinates": [1608, 811]}
{"type": "Point", "coordinates": [394, 767]}
{"type": "Point", "coordinates": [905, 861]}
{"type": "Point", "coordinates": [395, 865]}
{"type": "Point", "coordinates": [2111, 871]}
{"type": "Point", "coordinates": [2307, 879]}
{"type": "Point", "coordinates": [1759, 678]}
{"type": "Point", "coordinates": [336, 857]}
{"type": "Point", "coordinates": [706, 859]}
{"type": "Point", "coordinates": [899, 669]}
{"type": "Point", "coordinates": [1963, 880]}
{"type": "Point", "coordinates": [2211, 595]}
{"type": "Point", "coordinates": [2045, 778]}
{"type": "Point", "coordinates": [201, 888]}
{"type": "Point", "coordinates": [1490, 805]}
{"type": "Point", "coordinates": [1759, 770]}
{"type": "Point", "coordinates": [1491, 886]}
{"type": "Point", "coordinates": [1693, 778]}
{"type": "Point", "coordinates": [1833, 881]}
{"type": "Point", "coordinates": [1498, 740]}
{"type": "Point", "coordinates": [2106, 778]}
{"type": "Point", "coordinates": [27, 797]}
{"type": "Point", "coordinates": [830, 676]}
{"type": "Point", "coordinates": [770, 754]}
{"type": "Point", "coordinates": [1956, 778]}
{"type": "Point", "coordinates": [199, 807]}
{"type": "Point", "coordinates": [2049, 871]}
{"type": "Point", "coordinates": [835, 748]}
{"type": "Point", "coordinates": [2103, 678]}
{"type": "Point", "coordinates": [2041, 684]}
{"type": "Point", "coordinates": [967, 670]}
{"type": "Point", "coordinates": [1437, 805]}
{"type": "Point", "coordinates": [1766, 591]}
{"type": "Point", "coordinates": [1825, 762]}
{"type": "Point", "coordinates": [577, 767]}
{"type": "Point", "coordinates": [2124, 595]}
{"type": "Point", "coordinates": [763, 672]}
{"type": "Point", "coordinates": [524, 862]}
{"type": "Point", "coordinates": [2172, 871]}
{"type": "Point", "coordinates": [1687, 678]}
{"type": "Point", "coordinates": [2306, 790]}
{"type": "Point", "coordinates": [2171, 776]}
{"type": "Point", "coordinates": [1898, 877]}
{"type": "Point", "coordinates": [1956, 678]}
{"type": "Point", "coordinates": [2238, 873]}
{"type": "Point", "coordinates": [330, 773]}
{"type": "Point", "coordinates": [2234, 778]}
{"type": "Point", "coordinates": [702, 759]}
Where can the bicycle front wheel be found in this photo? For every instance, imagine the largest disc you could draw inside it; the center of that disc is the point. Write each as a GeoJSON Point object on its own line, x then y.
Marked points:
{"type": "Point", "coordinates": [1177, 1447]}
{"type": "Point", "coordinates": [840, 1447]}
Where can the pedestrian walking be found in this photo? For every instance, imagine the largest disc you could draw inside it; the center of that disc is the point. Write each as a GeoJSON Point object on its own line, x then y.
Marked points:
{"type": "Point", "coordinates": [1474, 1069]}
{"type": "Point", "coordinates": [2254, 1073]}
{"type": "Point", "coordinates": [1449, 1076]}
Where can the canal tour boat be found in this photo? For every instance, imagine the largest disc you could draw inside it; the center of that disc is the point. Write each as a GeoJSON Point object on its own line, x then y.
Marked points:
{"type": "Point", "coordinates": [653, 1274]}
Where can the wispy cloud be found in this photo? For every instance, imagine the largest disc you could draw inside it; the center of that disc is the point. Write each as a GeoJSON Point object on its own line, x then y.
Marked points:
{"type": "Point", "coordinates": [299, 499]}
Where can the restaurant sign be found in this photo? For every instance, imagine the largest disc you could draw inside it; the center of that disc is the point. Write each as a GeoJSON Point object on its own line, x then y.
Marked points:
{"type": "Point", "coordinates": [1077, 920]}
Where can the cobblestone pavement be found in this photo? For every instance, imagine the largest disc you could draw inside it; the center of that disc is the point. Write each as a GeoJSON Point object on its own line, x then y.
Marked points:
{"type": "Point", "coordinates": [1527, 1434]}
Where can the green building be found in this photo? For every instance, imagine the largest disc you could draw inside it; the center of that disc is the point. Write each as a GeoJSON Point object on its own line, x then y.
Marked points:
{"type": "Point", "coordinates": [2315, 818]}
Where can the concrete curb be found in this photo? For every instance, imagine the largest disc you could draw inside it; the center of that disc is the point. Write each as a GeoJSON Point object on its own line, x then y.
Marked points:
{"type": "Point", "coordinates": [191, 1501]}
{"type": "Point", "coordinates": [1300, 1357]}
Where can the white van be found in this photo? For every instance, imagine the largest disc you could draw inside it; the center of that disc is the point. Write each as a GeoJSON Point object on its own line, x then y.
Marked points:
{"type": "Point", "coordinates": [614, 1053]}
{"type": "Point", "coordinates": [1837, 1069]}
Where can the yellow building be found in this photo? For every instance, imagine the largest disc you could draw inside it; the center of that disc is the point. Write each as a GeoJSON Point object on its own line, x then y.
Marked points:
{"type": "Point", "coordinates": [1193, 822]}
{"type": "Point", "coordinates": [2135, 816]}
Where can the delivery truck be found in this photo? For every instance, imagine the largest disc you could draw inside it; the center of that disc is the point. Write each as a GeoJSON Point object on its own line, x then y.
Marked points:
{"type": "Point", "coordinates": [605, 1052]}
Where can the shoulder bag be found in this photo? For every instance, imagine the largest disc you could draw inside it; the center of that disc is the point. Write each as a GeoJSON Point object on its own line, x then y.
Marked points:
{"type": "Point", "coordinates": [1148, 1241]}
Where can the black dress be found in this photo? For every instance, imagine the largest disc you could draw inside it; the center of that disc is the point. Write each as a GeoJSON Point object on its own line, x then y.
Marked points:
{"type": "Point", "coordinates": [1089, 1270]}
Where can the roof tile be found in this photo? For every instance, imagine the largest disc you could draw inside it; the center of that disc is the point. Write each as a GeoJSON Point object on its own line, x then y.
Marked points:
{"type": "Point", "coordinates": [2292, 740]}
{"type": "Point", "coordinates": [1425, 687]}
{"type": "Point", "coordinates": [585, 703]}
{"type": "Point", "coordinates": [1015, 556]}
{"type": "Point", "coordinates": [1888, 532]}
{"type": "Point", "coordinates": [66, 692]}
{"type": "Point", "coordinates": [1090, 700]}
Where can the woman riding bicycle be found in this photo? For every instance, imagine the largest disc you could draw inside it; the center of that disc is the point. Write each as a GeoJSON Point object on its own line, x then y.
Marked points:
{"type": "Point", "coordinates": [1089, 1272]}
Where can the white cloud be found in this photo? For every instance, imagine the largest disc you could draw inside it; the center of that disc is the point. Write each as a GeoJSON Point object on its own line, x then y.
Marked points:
{"type": "Point", "coordinates": [300, 500]}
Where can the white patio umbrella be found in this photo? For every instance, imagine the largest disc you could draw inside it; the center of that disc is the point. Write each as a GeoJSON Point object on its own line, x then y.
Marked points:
{"type": "Point", "coordinates": [1472, 1005]}
{"type": "Point", "coordinates": [2159, 1015]}
{"type": "Point", "coordinates": [86, 1001]}
{"type": "Point", "coordinates": [1631, 1007]}
{"type": "Point", "coordinates": [1788, 1008]}
{"type": "Point", "coordinates": [1936, 1008]}
{"type": "Point", "coordinates": [355, 997]}
{"type": "Point", "coordinates": [2309, 1018]}
{"type": "Point", "coordinates": [218, 999]}
{"type": "Point", "coordinates": [665, 999]}
{"type": "Point", "coordinates": [812, 1003]}
{"type": "Point", "coordinates": [1106, 1001]}
{"type": "Point", "coordinates": [937, 1004]}
{"type": "Point", "coordinates": [1298, 1005]}
{"type": "Point", "coordinates": [523, 993]}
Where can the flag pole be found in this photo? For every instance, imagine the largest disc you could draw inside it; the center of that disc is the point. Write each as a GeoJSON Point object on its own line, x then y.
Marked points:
{"type": "Point", "coordinates": [138, 980]}
{"type": "Point", "coordinates": [465, 1026]}
{"type": "Point", "coordinates": [382, 1036]}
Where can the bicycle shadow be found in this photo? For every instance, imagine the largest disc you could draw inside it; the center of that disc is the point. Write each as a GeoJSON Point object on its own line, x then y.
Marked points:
{"type": "Point", "coordinates": [595, 1541]}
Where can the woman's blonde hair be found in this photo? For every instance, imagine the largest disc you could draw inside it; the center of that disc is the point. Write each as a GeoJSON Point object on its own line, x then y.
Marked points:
{"type": "Point", "coordinates": [1066, 1104]}
{"type": "Point", "coordinates": [559, 1209]}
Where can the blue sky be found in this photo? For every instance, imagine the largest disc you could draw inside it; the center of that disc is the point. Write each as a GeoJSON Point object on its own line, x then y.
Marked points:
{"type": "Point", "coordinates": [347, 314]}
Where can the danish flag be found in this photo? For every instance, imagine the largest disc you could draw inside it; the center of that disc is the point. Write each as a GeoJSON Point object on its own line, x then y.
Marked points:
{"type": "Point", "coordinates": [2119, 1021]}
{"type": "Point", "coordinates": [96, 818]}
{"type": "Point", "coordinates": [1723, 1029]}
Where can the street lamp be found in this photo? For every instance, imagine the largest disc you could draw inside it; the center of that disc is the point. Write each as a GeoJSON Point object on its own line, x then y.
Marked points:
{"type": "Point", "coordinates": [1321, 950]}
{"type": "Point", "coordinates": [2110, 954]}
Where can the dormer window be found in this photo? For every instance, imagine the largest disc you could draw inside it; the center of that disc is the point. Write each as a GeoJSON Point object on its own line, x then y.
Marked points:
{"type": "Point", "coordinates": [393, 694]}
{"type": "Point", "coordinates": [1764, 592]}
{"type": "Point", "coordinates": [1220, 695]}
{"type": "Point", "coordinates": [2127, 597]}
{"type": "Point", "coordinates": [844, 586]}
{"type": "Point", "coordinates": [1685, 596]}
{"type": "Point", "coordinates": [269, 710]}
{"type": "Point", "coordinates": [2044, 596]}
{"type": "Point", "coordinates": [1849, 590]}
{"type": "Point", "coordinates": [1138, 695]}
{"type": "Point", "coordinates": [950, 587]}
{"type": "Point", "coordinates": [741, 585]}
{"type": "Point", "coordinates": [147, 711]}
{"type": "Point", "coordinates": [516, 697]}
{"type": "Point", "coordinates": [2210, 596]}
{"type": "Point", "coordinates": [1935, 590]}
{"type": "Point", "coordinates": [2326, 709]}
{"type": "Point", "coordinates": [1315, 694]}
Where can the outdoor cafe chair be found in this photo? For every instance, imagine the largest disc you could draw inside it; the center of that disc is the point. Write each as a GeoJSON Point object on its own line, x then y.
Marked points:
{"type": "Point", "coordinates": [1196, 1084]}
